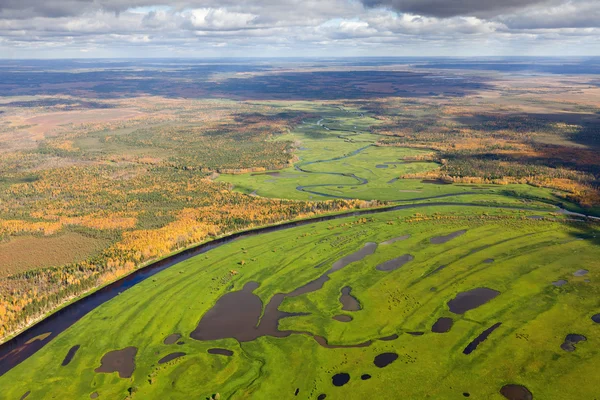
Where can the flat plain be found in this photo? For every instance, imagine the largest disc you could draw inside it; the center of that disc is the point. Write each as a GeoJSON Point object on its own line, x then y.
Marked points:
{"type": "Point", "coordinates": [454, 250]}
{"type": "Point", "coordinates": [424, 232]}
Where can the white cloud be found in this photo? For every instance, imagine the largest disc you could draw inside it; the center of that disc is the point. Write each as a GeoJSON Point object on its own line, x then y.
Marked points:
{"type": "Point", "coordinates": [294, 27]}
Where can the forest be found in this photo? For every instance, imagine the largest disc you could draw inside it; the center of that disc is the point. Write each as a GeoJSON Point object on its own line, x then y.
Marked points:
{"type": "Point", "coordinates": [110, 183]}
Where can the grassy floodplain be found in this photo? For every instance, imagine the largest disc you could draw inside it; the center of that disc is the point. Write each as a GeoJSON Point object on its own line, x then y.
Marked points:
{"type": "Point", "coordinates": [505, 250]}
{"type": "Point", "coordinates": [339, 157]}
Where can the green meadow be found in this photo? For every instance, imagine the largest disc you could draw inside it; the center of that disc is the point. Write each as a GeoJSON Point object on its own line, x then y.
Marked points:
{"type": "Point", "coordinates": [517, 256]}
{"type": "Point", "coordinates": [338, 157]}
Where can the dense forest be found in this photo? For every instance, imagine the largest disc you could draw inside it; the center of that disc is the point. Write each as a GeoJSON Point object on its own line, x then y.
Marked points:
{"type": "Point", "coordinates": [557, 151]}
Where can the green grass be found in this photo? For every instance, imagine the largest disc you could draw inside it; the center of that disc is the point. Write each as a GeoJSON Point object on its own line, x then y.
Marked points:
{"type": "Point", "coordinates": [319, 151]}
{"type": "Point", "coordinates": [536, 316]}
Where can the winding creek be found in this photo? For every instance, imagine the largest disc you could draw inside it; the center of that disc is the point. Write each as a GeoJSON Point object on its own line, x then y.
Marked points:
{"type": "Point", "coordinates": [360, 181]}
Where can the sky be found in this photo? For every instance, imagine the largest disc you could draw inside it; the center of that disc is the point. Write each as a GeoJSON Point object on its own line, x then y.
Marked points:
{"type": "Point", "coordinates": [297, 28]}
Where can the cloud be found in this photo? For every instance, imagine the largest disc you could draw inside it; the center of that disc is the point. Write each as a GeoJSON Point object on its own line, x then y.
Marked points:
{"type": "Point", "coordinates": [104, 28]}
{"type": "Point", "coordinates": [453, 8]}
{"type": "Point", "coordinates": [571, 14]}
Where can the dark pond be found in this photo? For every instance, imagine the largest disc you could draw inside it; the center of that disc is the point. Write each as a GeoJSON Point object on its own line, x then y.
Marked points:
{"type": "Point", "coordinates": [442, 325]}
{"type": "Point", "coordinates": [436, 182]}
{"type": "Point", "coordinates": [221, 352]}
{"type": "Point", "coordinates": [365, 377]}
{"type": "Point", "coordinates": [235, 314]}
{"type": "Point", "coordinates": [471, 299]}
{"type": "Point", "coordinates": [367, 250]}
{"type": "Point", "coordinates": [25, 395]}
{"type": "Point", "coordinates": [342, 318]}
{"type": "Point", "coordinates": [448, 237]}
{"type": "Point", "coordinates": [172, 338]}
{"type": "Point", "coordinates": [340, 379]}
{"type": "Point", "coordinates": [571, 340]}
{"type": "Point", "coordinates": [70, 355]}
{"type": "Point", "coordinates": [388, 338]}
{"type": "Point", "coordinates": [349, 302]}
{"type": "Point", "coordinates": [322, 396]}
{"type": "Point", "coordinates": [488, 260]}
{"type": "Point", "coordinates": [479, 339]}
{"type": "Point", "coordinates": [416, 333]}
{"type": "Point", "coordinates": [395, 263]}
{"type": "Point", "coordinates": [596, 318]}
{"type": "Point", "coordinates": [516, 392]}
{"type": "Point", "coordinates": [397, 239]}
{"type": "Point", "coordinates": [121, 361]}
{"type": "Point", "coordinates": [384, 359]}
{"type": "Point", "coordinates": [170, 357]}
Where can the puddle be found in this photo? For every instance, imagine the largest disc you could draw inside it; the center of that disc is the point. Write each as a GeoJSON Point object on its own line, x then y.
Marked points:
{"type": "Point", "coordinates": [442, 325]}
{"type": "Point", "coordinates": [559, 283]}
{"type": "Point", "coordinates": [322, 396]}
{"type": "Point", "coordinates": [488, 260]}
{"type": "Point", "coordinates": [580, 272]}
{"type": "Point", "coordinates": [172, 338]}
{"type": "Point", "coordinates": [465, 301]}
{"type": "Point", "coordinates": [516, 392]}
{"type": "Point", "coordinates": [340, 379]}
{"type": "Point", "coordinates": [25, 395]}
{"type": "Point", "coordinates": [367, 250]}
{"type": "Point", "coordinates": [221, 352]}
{"type": "Point", "coordinates": [397, 239]}
{"type": "Point", "coordinates": [571, 340]}
{"type": "Point", "coordinates": [342, 318]}
{"type": "Point", "coordinates": [349, 302]}
{"type": "Point", "coordinates": [479, 339]}
{"type": "Point", "coordinates": [365, 377]}
{"type": "Point", "coordinates": [384, 359]}
{"type": "Point", "coordinates": [395, 263]}
{"type": "Point", "coordinates": [381, 166]}
{"type": "Point", "coordinates": [388, 338]}
{"type": "Point", "coordinates": [94, 395]}
{"type": "Point", "coordinates": [70, 355]}
{"type": "Point", "coordinates": [170, 357]}
{"type": "Point", "coordinates": [121, 361]}
{"type": "Point", "coordinates": [416, 333]}
{"type": "Point", "coordinates": [448, 237]}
